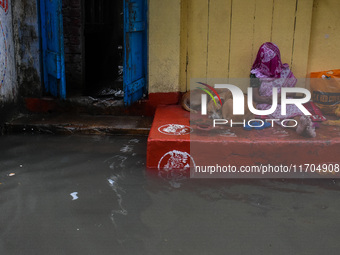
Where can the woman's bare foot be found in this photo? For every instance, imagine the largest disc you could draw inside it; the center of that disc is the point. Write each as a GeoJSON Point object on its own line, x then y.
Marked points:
{"type": "Point", "coordinates": [305, 127]}
{"type": "Point", "coordinates": [310, 130]}
{"type": "Point", "coordinates": [302, 125]}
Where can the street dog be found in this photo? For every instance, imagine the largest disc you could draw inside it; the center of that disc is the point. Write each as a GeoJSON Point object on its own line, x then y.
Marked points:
{"type": "Point", "coordinates": [227, 111]}
{"type": "Point", "coordinates": [191, 101]}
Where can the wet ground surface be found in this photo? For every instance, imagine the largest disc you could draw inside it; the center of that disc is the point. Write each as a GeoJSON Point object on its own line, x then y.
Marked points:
{"type": "Point", "coordinates": [71, 123]}
{"type": "Point", "coordinates": [92, 195]}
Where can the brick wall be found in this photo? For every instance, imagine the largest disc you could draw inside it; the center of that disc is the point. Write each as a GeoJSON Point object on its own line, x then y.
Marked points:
{"type": "Point", "coordinates": [73, 42]}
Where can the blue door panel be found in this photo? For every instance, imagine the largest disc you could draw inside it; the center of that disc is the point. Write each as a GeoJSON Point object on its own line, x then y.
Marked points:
{"type": "Point", "coordinates": [135, 70]}
{"type": "Point", "coordinates": [135, 50]}
{"type": "Point", "coordinates": [53, 61]}
{"type": "Point", "coordinates": [53, 47]}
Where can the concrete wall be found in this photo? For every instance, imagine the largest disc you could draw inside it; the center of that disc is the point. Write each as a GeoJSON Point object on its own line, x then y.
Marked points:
{"type": "Point", "coordinates": [8, 80]}
{"type": "Point", "coordinates": [324, 51]}
{"type": "Point", "coordinates": [164, 45]}
{"type": "Point", "coordinates": [219, 39]}
{"type": "Point", "coordinates": [27, 47]}
{"type": "Point", "coordinates": [223, 36]}
{"type": "Point", "coordinates": [193, 38]}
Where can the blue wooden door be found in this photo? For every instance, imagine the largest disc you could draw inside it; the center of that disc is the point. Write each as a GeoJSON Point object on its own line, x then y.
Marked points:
{"type": "Point", "coordinates": [135, 50]}
{"type": "Point", "coordinates": [53, 47]}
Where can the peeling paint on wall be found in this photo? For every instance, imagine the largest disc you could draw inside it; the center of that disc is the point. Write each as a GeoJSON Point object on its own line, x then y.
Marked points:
{"type": "Point", "coordinates": [27, 48]}
{"type": "Point", "coordinates": [4, 5]}
{"type": "Point", "coordinates": [3, 55]}
{"type": "Point", "coordinates": [8, 84]}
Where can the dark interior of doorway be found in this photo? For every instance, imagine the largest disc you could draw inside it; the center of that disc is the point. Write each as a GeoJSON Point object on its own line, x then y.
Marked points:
{"type": "Point", "coordinates": [104, 41]}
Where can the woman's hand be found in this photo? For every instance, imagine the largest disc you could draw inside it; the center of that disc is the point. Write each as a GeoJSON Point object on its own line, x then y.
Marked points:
{"type": "Point", "coordinates": [261, 99]}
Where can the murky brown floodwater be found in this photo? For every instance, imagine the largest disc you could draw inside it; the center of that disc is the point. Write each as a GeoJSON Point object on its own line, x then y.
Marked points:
{"type": "Point", "coordinates": [91, 195]}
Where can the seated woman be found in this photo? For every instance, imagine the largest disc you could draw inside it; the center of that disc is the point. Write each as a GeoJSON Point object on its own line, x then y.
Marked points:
{"type": "Point", "coordinates": [268, 72]}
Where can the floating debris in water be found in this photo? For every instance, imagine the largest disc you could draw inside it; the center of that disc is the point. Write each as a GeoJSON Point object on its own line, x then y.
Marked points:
{"type": "Point", "coordinates": [112, 182]}
{"type": "Point", "coordinates": [126, 148]}
{"type": "Point", "coordinates": [11, 174]}
{"type": "Point", "coordinates": [119, 93]}
{"type": "Point", "coordinates": [74, 195]}
{"type": "Point", "coordinates": [134, 141]}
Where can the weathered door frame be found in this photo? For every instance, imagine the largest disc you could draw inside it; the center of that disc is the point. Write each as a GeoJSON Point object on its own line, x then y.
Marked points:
{"type": "Point", "coordinates": [52, 47]}
{"type": "Point", "coordinates": [135, 50]}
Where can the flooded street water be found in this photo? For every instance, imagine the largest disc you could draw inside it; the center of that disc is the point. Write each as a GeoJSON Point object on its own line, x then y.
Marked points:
{"type": "Point", "coordinates": [93, 195]}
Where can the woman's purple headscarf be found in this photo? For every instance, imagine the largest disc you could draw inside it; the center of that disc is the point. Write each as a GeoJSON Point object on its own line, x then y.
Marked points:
{"type": "Point", "coordinates": [272, 73]}
{"type": "Point", "coordinates": [268, 62]}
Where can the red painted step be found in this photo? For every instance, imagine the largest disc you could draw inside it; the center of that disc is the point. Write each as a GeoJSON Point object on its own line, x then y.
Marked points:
{"type": "Point", "coordinates": [234, 146]}
{"type": "Point", "coordinates": [162, 140]}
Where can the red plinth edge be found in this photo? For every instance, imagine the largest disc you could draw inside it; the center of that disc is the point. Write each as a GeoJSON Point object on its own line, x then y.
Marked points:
{"type": "Point", "coordinates": [169, 137]}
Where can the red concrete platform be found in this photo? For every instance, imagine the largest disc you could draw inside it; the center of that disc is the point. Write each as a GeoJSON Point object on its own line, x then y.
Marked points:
{"type": "Point", "coordinates": [159, 144]}
{"type": "Point", "coordinates": [174, 144]}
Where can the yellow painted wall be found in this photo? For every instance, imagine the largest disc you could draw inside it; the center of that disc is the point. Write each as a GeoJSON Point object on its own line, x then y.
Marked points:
{"type": "Point", "coordinates": [324, 51]}
{"type": "Point", "coordinates": [164, 45]}
{"type": "Point", "coordinates": [220, 38]}
{"type": "Point", "coordinates": [223, 36]}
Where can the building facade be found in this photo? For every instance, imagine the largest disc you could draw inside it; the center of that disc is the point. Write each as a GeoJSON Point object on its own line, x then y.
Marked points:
{"type": "Point", "coordinates": [185, 39]}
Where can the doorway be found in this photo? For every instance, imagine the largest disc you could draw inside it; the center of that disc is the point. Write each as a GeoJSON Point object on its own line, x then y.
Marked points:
{"type": "Point", "coordinates": [104, 40]}
{"type": "Point", "coordinates": [100, 46]}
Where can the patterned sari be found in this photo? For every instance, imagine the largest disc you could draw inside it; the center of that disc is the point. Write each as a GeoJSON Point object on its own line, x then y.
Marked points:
{"type": "Point", "coordinates": [269, 69]}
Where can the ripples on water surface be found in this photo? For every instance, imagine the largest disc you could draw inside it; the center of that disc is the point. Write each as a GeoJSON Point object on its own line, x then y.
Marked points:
{"type": "Point", "coordinates": [92, 195]}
